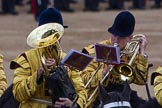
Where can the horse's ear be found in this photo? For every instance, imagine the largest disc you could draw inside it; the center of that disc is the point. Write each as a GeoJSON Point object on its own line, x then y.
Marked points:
{"type": "Point", "coordinates": [127, 90]}
{"type": "Point", "coordinates": [103, 93]}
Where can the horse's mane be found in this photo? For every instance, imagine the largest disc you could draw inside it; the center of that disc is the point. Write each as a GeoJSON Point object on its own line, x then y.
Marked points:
{"type": "Point", "coordinates": [151, 103]}
{"type": "Point", "coordinates": [135, 101]}
{"type": "Point", "coordinates": [115, 98]}
{"type": "Point", "coordinates": [7, 100]}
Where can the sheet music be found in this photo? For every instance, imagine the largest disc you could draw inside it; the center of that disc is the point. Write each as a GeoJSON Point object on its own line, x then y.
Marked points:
{"type": "Point", "coordinates": [77, 59]}
{"type": "Point", "coordinates": [107, 54]}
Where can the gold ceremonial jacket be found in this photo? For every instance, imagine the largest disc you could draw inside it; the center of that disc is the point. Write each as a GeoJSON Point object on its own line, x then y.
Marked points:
{"type": "Point", "coordinates": [25, 85]}
{"type": "Point", "coordinates": [139, 63]}
{"type": "Point", "coordinates": [3, 81]}
{"type": "Point", "coordinates": [158, 84]}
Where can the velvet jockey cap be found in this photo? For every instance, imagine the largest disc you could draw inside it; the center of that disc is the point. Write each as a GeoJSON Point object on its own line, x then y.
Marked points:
{"type": "Point", "coordinates": [50, 15]}
{"type": "Point", "coordinates": [123, 25]}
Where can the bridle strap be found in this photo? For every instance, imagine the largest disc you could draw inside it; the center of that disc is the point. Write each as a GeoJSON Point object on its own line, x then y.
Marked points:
{"type": "Point", "coordinates": [118, 104]}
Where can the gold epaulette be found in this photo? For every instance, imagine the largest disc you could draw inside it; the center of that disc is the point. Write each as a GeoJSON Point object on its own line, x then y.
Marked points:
{"type": "Point", "coordinates": [21, 61]}
{"type": "Point", "coordinates": [158, 71]}
{"type": "Point", "coordinates": [89, 49]}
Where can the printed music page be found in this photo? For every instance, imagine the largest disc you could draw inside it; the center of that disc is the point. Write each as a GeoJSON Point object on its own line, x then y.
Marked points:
{"type": "Point", "coordinates": [76, 59]}
{"type": "Point", "coordinates": [107, 54]}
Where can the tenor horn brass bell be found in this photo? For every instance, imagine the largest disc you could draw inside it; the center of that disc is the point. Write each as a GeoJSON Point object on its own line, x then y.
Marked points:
{"type": "Point", "coordinates": [124, 72]}
{"type": "Point", "coordinates": [45, 35]}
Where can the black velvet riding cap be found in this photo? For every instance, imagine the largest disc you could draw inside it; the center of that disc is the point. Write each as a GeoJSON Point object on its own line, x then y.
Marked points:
{"type": "Point", "coordinates": [123, 25]}
{"type": "Point", "coordinates": [50, 15]}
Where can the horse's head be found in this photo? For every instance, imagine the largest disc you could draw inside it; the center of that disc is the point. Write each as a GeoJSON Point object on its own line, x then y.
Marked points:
{"type": "Point", "coordinates": [115, 99]}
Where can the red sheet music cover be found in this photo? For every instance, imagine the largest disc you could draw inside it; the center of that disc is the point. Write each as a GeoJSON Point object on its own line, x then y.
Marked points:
{"type": "Point", "coordinates": [107, 54]}
{"type": "Point", "coordinates": [77, 60]}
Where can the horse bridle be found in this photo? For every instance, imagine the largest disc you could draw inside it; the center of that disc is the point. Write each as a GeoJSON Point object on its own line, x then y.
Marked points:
{"type": "Point", "coordinates": [117, 104]}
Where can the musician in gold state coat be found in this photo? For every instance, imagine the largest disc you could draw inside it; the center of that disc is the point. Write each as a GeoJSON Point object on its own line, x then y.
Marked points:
{"type": "Point", "coordinates": [28, 82]}
{"type": "Point", "coordinates": [3, 81]}
{"type": "Point", "coordinates": [121, 31]}
{"type": "Point", "coordinates": [156, 80]}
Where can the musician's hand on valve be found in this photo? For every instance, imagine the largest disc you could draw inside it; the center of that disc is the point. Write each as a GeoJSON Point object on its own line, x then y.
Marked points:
{"type": "Point", "coordinates": [40, 73]}
{"type": "Point", "coordinates": [143, 44]}
{"type": "Point", "coordinates": [63, 102]}
{"type": "Point", "coordinates": [50, 62]}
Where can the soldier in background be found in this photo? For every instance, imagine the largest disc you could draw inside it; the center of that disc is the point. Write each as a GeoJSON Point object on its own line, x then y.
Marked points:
{"type": "Point", "coordinates": [138, 4]}
{"type": "Point", "coordinates": [8, 7]}
{"type": "Point", "coordinates": [115, 4]}
{"type": "Point", "coordinates": [91, 5]}
{"type": "Point", "coordinates": [63, 5]}
{"type": "Point", "coordinates": [37, 6]}
{"type": "Point", "coordinates": [157, 4]}
{"type": "Point", "coordinates": [19, 2]}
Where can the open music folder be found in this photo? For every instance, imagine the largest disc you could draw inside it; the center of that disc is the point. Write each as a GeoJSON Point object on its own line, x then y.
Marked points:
{"type": "Point", "coordinates": [77, 60]}
{"type": "Point", "coordinates": [107, 54]}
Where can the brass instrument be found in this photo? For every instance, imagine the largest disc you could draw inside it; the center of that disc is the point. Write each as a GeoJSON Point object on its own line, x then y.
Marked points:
{"type": "Point", "coordinates": [123, 71]}
{"type": "Point", "coordinates": [44, 36]}
{"type": "Point", "coordinates": [41, 37]}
